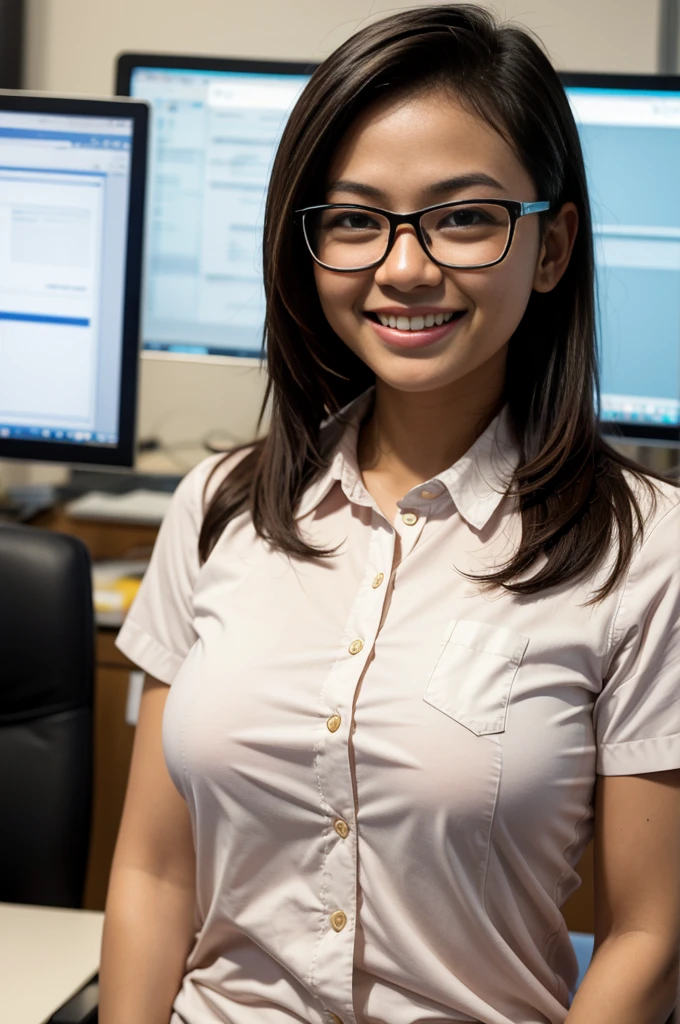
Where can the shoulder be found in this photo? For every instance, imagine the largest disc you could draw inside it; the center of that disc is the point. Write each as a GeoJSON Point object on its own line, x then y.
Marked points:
{"type": "Point", "coordinates": [653, 576]}
{"type": "Point", "coordinates": [195, 490]}
{"type": "Point", "coordinates": [658, 502]}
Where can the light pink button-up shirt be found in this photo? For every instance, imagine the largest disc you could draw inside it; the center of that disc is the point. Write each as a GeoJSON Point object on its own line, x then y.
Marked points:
{"type": "Point", "coordinates": [389, 772]}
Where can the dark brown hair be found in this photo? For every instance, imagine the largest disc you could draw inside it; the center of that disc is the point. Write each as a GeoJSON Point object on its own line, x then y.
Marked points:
{"type": "Point", "coordinates": [573, 494]}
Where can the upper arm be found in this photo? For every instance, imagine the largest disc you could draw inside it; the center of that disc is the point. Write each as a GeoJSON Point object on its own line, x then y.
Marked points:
{"type": "Point", "coordinates": [637, 856]}
{"type": "Point", "coordinates": [637, 727]}
{"type": "Point", "coordinates": [158, 631]}
{"type": "Point", "coordinates": [155, 833]}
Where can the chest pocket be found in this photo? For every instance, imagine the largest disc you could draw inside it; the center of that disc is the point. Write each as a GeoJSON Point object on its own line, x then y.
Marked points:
{"type": "Point", "coordinates": [473, 677]}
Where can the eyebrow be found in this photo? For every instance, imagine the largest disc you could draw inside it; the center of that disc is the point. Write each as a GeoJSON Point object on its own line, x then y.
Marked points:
{"type": "Point", "coordinates": [436, 191]}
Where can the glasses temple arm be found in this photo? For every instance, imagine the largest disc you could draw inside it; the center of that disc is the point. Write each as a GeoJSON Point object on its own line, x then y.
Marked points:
{"type": "Point", "coordinates": [534, 208]}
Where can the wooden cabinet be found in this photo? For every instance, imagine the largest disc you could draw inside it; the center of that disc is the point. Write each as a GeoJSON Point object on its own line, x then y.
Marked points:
{"type": "Point", "coordinates": [579, 909]}
{"type": "Point", "coordinates": [104, 539]}
{"type": "Point", "coordinates": [113, 739]}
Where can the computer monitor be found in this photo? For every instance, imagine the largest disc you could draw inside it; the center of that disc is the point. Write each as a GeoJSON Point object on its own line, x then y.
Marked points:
{"type": "Point", "coordinates": [215, 127]}
{"type": "Point", "coordinates": [630, 133]}
{"type": "Point", "coordinates": [72, 177]}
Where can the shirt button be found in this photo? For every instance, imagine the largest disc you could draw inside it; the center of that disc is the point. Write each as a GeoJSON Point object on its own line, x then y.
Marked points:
{"type": "Point", "coordinates": [338, 920]}
{"type": "Point", "coordinates": [341, 827]}
{"type": "Point", "coordinates": [333, 1018]}
{"type": "Point", "coordinates": [377, 580]}
{"type": "Point", "coordinates": [428, 494]}
{"type": "Point", "coordinates": [356, 646]}
{"type": "Point", "coordinates": [409, 518]}
{"type": "Point", "coordinates": [333, 723]}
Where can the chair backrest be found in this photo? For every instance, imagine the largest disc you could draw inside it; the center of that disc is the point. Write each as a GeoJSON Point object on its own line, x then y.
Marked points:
{"type": "Point", "coordinates": [46, 711]}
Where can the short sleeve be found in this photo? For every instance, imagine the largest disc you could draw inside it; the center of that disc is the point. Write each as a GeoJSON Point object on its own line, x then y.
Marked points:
{"type": "Point", "coordinates": [158, 631]}
{"type": "Point", "coordinates": [637, 714]}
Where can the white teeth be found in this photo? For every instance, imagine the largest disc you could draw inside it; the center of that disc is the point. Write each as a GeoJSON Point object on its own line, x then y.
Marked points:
{"type": "Point", "coordinates": [414, 323]}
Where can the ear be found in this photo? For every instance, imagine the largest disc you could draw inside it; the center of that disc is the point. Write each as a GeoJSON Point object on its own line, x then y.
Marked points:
{"type": "Point", "coordinates": [558, 242]}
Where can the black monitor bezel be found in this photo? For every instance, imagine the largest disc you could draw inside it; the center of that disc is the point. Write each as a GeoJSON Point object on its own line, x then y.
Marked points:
{"type": "Point", "coordinates": [127, 62]}
{"type": "Point", "coordinates": [122, 453]}
{"type": "Point", "coordinates": [630, 433]}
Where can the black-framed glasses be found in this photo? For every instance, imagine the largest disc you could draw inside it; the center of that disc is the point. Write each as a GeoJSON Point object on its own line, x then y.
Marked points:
{"type": "Point", "coordinates": [465, 235]}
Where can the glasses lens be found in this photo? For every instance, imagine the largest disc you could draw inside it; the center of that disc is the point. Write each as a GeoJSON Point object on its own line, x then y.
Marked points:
{"type": "Point", "coordinates": [469, 235]}
{"type": "Point", "coordinates": [346, 239]}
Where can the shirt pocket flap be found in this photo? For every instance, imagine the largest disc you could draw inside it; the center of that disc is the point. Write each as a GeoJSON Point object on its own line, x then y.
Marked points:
{"type": "Point", "coordinates": [473, 677]}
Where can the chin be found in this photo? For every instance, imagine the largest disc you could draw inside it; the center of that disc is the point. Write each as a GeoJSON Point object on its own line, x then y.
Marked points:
{"type": "Point", "coordinates": [417, 378]}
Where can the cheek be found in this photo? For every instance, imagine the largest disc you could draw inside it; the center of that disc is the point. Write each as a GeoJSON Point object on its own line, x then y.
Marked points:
{"type": "Point", "coordinates": [340, 296]}
{"type": "Point", "coordinates": [501, 293]}
{"type": "Point", "coordinates": [507, 292]}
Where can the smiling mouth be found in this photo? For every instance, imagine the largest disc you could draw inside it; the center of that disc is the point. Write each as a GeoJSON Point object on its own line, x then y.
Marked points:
{"type": "Point", "coordinates": [414, 323]}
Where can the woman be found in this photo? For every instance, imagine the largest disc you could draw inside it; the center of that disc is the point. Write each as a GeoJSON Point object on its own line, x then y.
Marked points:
{"type": "Point", "coordinates": [423, 639]}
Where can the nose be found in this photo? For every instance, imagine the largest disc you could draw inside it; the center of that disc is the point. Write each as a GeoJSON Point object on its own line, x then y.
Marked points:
{"type": "Point", "coordinates": [407, 265]}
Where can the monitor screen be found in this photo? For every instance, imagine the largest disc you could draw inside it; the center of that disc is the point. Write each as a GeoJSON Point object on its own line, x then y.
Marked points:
{"type": "Point", "coordinates": [68, 295]}
{"type": "Point", "coordinates": [214, 132]}
{"type": "Point", "coordinates": [630, 133]}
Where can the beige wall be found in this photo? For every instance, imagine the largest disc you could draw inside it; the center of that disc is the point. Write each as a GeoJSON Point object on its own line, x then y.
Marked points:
{"type": "Point", "coordinates": [71, 46]}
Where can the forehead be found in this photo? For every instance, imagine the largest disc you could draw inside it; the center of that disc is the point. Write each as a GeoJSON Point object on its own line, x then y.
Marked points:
{"type": "Point", "coordinates": [402, 145]}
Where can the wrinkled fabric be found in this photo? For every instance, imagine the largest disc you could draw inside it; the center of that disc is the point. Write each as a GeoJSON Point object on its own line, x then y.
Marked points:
{"type": "Point", "coordinates": [389, 770]}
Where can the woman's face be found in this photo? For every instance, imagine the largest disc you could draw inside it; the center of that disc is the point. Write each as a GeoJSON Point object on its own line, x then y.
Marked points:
{"type": "Point", "coordinates": [391, 158]}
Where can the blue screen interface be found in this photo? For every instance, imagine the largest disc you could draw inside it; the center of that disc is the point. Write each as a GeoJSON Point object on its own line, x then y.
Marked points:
{"type": "Point", "coordinates": [631, 144]}
{"type": "Point", "coordinates": [213, 139]}
{"type": "Point", "coordinates": [64, 198]}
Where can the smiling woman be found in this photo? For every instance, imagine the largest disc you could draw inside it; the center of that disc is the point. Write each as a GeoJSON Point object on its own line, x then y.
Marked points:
{"type": "Point", "coordinates": [488, 110]}
{"type": "Point", "coordinates": [490, 224]}
{"type": "Point", "coordinates": [423, 638]}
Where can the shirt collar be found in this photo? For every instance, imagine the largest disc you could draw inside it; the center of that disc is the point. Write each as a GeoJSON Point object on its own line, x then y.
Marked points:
{"type": "Point", "coordinates": [479, 480]}
{"type": "Point", "coordinates": [476, 483]}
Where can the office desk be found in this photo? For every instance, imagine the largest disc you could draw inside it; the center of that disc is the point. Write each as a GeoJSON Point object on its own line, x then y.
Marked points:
{"type": "Point", "coordinates": [46, 956]}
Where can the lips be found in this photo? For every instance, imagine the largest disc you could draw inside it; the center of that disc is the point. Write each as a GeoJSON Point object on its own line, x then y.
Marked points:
{"type": "Point", "coordinates": [410, 339]}
{"type": "Point", "coordinates": [377, 315]}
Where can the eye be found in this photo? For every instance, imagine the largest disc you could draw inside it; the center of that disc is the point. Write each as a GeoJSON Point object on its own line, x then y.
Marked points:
{"type": "Point", "coordinates": [353, 221]}
{"type": "Point", "coordinates": [468, 217]}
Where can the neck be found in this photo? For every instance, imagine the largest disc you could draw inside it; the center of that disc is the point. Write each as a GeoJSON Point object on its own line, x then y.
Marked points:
{"type": "Point", "coordinates": [410, 437]}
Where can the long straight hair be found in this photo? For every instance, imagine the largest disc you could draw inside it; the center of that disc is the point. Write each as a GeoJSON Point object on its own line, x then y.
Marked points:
{"type": "Point", "coordinates": [573, 493]}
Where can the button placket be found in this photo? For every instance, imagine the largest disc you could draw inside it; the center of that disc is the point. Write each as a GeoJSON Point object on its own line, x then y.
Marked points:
{"type": "Point", "coordinates": [334, 962]}
{"type": "Point", "coordinates": [409, 533]}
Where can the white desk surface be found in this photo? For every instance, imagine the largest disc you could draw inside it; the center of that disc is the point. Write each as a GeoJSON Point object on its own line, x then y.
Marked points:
{"type": "Point", "coordinates": [46, 955]}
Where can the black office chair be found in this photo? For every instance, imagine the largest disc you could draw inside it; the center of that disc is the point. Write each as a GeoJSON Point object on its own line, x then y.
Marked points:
{"type": "Point", "coordinates": [46, 712]}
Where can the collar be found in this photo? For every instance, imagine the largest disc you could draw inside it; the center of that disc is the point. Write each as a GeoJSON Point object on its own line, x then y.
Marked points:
{"type": "Point", "coordinates": [476, 483]}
